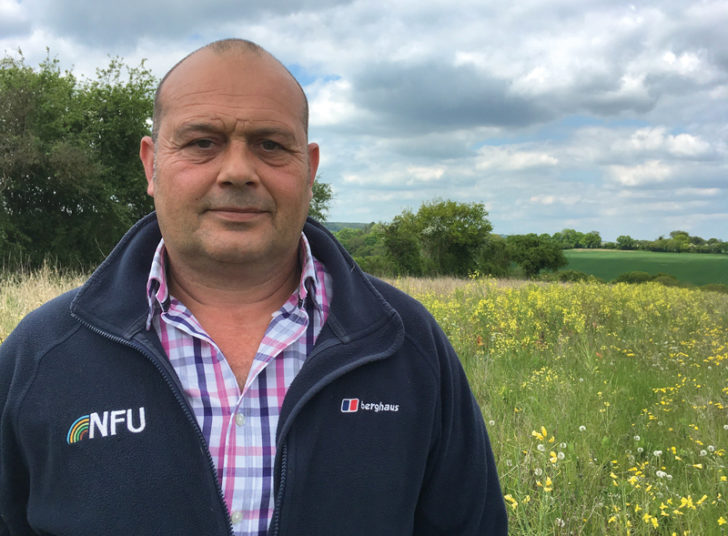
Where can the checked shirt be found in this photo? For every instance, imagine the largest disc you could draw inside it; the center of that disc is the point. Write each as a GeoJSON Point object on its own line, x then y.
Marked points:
{"type": "Point", "coordinates": [240, 426]}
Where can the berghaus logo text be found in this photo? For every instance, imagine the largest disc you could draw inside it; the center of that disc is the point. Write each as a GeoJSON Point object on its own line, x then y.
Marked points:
{"type": "Point", "coordinates": [353, 405]}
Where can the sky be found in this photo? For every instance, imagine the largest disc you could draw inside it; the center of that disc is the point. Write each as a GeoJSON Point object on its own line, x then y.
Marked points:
{"type": "Point", "coordinates": [594, 115]}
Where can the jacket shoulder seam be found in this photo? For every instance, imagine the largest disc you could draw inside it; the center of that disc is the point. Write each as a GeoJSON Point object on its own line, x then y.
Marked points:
{"type": "Point", "coordinates": [36, 367]}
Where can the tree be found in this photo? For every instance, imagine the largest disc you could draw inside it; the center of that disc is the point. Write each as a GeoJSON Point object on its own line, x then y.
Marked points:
{"type": "Point", "coordinates": [493, 257]}
{"type": "Point", "coordinates": [626, 242]}
{"type": "Point", "coordinates": [70, 179]}
{"type": "Point", "coordinates": [366, 246]}
{"type": "Point", "coordinates": [442, 238]}
{"type": "Point", "coordinates": [534, 253]}
{"type": "Point", "coordinates": [569, 239]}
{"type": "Point", "coordinates": [322, 196]}
{"type": "Point", "coordinates": [403, 244]}
{"type": "Point", "coordinates": [451, 234]}
{"type": "Point", "coordinates": [592, 240]}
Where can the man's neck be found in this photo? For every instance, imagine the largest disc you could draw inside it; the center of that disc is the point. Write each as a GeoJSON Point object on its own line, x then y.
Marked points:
{"type": "Point", "coordinates": [232, 289]}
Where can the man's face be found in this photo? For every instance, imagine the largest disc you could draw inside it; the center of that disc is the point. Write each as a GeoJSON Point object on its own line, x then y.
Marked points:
{"type": "Point", "coordinates": [231, 171]}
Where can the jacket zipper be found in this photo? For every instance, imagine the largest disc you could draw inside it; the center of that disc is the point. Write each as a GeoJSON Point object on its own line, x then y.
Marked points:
{"type": "Point", "coordinates": [183, 404]}
{"type": "Point", "coordinates": [275, 524]}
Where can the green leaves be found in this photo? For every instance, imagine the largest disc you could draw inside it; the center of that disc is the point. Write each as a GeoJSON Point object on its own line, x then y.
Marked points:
{"type": "Point", "coordinates": [442, 238]}
{"type": "Point", "coordinates": [322, 196]}
{"type": "Point", "coordinates": [70, 178]}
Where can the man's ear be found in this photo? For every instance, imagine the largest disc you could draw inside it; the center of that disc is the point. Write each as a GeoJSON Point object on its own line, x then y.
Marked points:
{"type": "Point", "coordinates": [313, 162]}
{"type": "Point", "coordinates": [146, 154]}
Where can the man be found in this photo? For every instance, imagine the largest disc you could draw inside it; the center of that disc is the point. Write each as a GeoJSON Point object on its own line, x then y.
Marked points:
{"type": "Point", "coordinates": [223, 372]}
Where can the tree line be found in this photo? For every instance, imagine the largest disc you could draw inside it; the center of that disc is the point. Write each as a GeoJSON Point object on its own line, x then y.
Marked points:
{"type": "Point", "coordinates": [450, 238]}
{"type": "Point", "coordinates": [677, 242]}
{"type": "Point", "coordinates": [445, 237]}
{"type": "Point", "coordinates": [70, 180]}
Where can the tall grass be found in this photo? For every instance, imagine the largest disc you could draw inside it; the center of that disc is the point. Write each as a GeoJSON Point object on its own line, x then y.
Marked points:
{"type": "Point", "coordinates": [23, 291]}
{"type": "Point", "coordinates": [606, 405]}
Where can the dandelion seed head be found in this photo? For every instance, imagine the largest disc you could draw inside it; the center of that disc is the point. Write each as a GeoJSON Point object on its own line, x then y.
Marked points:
{"type": "Point", "coordinates": [561, 455]}
{"type": "Point", "coordinates": [538, 471]}
{"type": "Point", "coordinates": [541, 448]}
{"type": "Point", "coordinates": [703, 452]}
{"type": "Point", "coordinates": [582, 428]}
{"type": "Point", "coordinates": [640, 450]}
{"type": "Point", "coordinates": [491, 423]}
{"type": "Point", "coordinates": [637, 438]}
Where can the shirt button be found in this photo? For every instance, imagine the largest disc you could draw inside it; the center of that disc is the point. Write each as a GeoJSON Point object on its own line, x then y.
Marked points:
{"type": "Point", "coordinates": [236, 517]}
{"type": "Point", "coordinates": [239, 419]}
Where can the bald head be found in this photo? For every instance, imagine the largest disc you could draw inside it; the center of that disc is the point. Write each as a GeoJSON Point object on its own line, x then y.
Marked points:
{"type": "Point", "coordinates": [224, 47]}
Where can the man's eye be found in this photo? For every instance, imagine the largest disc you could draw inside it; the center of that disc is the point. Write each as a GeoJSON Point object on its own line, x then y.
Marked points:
{"type": "Point", "coordinates": [202, 144]}
{"type": "Point", "coordinates": [269, 145]}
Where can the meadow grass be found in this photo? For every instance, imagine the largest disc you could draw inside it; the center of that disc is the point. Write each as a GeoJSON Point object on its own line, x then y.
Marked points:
{"type": "Point", "coordinates": [606, 404]}
{"type": "Point", "coordinates": [23, 291]}
{"type": "Point", "coordinates": [695, 268]}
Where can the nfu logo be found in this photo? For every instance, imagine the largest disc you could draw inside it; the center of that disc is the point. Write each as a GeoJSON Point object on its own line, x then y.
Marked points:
{"type": "Point", "coordinates": [105, 424]}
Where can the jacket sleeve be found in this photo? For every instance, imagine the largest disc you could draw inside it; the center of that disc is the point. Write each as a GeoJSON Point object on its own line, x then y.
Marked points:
{"type": "Point", "coordinates": [13, 481]}
{"type": "Point", "coordinates": [461, 493]}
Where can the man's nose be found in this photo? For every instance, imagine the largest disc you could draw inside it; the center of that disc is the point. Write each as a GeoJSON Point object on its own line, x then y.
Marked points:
{"type": "Point", "coordinates": [238, 165]}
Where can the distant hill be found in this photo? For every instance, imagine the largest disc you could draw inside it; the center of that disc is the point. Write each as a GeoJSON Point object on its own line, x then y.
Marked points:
{"type": "Point", "coordinates": [334, 226]}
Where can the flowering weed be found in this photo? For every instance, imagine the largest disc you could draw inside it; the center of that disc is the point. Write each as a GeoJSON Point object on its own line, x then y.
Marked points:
{"type": "Point", "coordinates": [607, 405]}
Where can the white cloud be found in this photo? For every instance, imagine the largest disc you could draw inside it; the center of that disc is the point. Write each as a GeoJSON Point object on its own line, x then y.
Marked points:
{"type": "Point", "coordinates": [686, 64]}
{"type": "Point", "coordinates": [511, 159]}
{"type": "Point", "coordinates": [650, 172]}
{"type": "Point", "coordinates": [426, 174]}
{"type": "Point", "coordinates": [330, 103]}
{"type": "Point", "coordinates": [656, 140]}
{"type": "Point", "coordinates": [14, 19]}
{"type": "Point", "coordinates": [555, 199]}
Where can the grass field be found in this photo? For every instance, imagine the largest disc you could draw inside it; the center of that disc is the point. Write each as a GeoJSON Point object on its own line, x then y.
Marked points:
{"type": "Point", "coordinates": [695, 268]}
{"type": "Point", "coordinates": [607, 405]}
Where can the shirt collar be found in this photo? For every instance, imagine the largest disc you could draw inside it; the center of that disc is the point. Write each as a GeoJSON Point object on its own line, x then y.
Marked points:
{"type": "Point", "coordinates": [158, 296]}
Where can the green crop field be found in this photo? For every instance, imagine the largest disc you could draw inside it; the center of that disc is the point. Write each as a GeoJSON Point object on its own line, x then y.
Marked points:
{"type": "Point", "coordinates": [696, 268]}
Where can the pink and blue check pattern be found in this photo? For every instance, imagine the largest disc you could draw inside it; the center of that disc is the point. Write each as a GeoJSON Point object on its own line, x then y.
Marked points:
{"type": "Point", "coordinates": [240, 426]}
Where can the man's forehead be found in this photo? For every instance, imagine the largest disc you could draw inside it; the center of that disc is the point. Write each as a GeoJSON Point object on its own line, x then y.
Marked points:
{"type": "Point", "coordinates": [198, 68]}
{"type": "Point", "coordinates": [235, 71]}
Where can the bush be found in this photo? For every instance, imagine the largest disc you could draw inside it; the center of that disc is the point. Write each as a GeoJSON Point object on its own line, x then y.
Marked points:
{"type": "Point", "coordinates": [570, 276]}
{"type": "Point", "coordinates": [668, 280]}
{"type": "Point", "coordinates": [634, 277]}
{"type": "Point", "coordinates": [715, 287]}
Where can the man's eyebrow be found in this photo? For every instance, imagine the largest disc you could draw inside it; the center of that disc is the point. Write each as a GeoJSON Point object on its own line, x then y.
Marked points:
{"type": "Point", "coordinates": [188, 128]}
{"type": "Point", "coordinates": [264, 131]}
{"type": "Point", "coordinates": [254, 131]}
